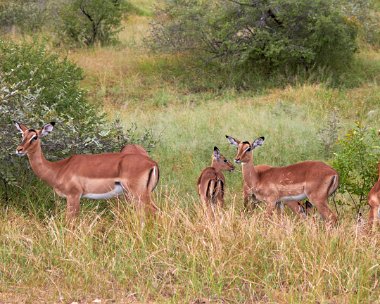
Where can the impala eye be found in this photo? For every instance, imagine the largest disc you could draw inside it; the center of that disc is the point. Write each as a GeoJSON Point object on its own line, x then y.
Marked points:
{"type": "Point", "coordinates": [225, 160]}
{"type": "Point", "coordinates": [34, 138]}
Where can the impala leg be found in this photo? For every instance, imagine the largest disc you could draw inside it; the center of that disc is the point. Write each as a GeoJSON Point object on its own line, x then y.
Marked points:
{"type": "Point", "coordinates": [250, 202]}
{"type": "Point", "coordinates": [141, 196]}
{"type": "Point", "coordinates": [373, 218]}
{"type": "Point", "coordinates": [220, 202]}
{"type": "Point", "coordinates": [296, 208]}
{"type": "Point", "coordinates": [270, 208]}
{"type": "Point", "coordinates": [248, 199]}
{"type": "Point", "coordinates": [73, 205]}
{"type": "Point", "coordinates": [246, 202]}
{"type": "Point", "coordinates": [148, 205]}
{"type": "Point", "coordinates": [280, 208]}
{"type": "Point", "coordinates": [220, 195]}
{"type": "Point", "coordinates": [325, 211]}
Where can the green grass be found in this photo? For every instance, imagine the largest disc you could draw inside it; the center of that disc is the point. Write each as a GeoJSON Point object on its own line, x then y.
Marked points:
{"type": "Point", "coordinates": [181, 256]}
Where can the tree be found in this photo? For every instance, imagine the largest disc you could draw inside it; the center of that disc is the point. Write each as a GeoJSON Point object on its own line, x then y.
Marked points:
{"type": "Point", "coordinates": [265, 35]}
{"type": "Point", "coordinates": [90, 21]}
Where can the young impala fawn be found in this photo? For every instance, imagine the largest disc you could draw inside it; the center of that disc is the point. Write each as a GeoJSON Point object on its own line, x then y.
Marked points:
{"type": "Point", "coordinates": [313, 180]}
{"type": "Point", "coordinates": [95, 176]}
{"type": "Point", "coordinates": [374, 202]}
{"type": "Point", "coordinates": [211, 182]}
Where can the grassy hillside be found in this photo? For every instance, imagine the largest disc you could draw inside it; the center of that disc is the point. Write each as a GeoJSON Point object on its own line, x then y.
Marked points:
{"type": "Point", "coordinates": [181, 256]}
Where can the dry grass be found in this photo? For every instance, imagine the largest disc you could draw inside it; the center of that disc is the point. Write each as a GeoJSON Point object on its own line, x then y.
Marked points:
{"type": "Point", "coordinates": [182, 256]}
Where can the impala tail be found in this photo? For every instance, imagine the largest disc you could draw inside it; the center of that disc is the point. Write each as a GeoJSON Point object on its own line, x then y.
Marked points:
{"type": "Point", "coordinates": [334, 184]}
{"type": "Point", "coordinates": [215, 187]}
{"type": "Point", "coordinates": [153, 178]}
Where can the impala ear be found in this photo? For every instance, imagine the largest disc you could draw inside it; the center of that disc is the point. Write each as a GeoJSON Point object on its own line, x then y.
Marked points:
{"type": "Point", "coordinates": [233, 141]}
{"type": "Point", "coordinates": [258, 142]}
{"type": "Point", "coordinates": [22, 128]}
{"type": "Point", "coordinates": [216, 153]}
{"type": "Point", "coordinates": [46, 129]}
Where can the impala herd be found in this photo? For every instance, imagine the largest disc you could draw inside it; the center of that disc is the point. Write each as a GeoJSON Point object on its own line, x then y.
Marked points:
{"type": "Point", "coordinates": [132, 173]}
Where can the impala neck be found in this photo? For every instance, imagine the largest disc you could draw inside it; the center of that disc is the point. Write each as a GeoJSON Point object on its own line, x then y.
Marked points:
{"type": "Point", "coordinates": [43, 168]}
{"type": "Point", "coordinates": [249, 172]}
{"type": "Point", "coordinates": [215, 165]}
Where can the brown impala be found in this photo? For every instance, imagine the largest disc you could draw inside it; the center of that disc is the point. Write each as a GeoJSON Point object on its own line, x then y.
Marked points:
{"type": "Point", "coordinates": [211, 181]}
{"type": "Point", "coordinates": [374, 203]}
{"type": "Point", "coordinates": [95, 176]}
{"type": "Point", "coordinates": [313, 180]}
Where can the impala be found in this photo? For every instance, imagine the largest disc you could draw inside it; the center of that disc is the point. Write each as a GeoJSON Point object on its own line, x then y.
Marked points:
{"type": "Point", "coordinates": [250, 199]}
{"type": "Point", "coordinates": [95, 176]}
{"type": "Point", "coordinates": [211, 182]}
{"type": "Point", "coordinates": [313, 180]}
{"type": "Point", "coordinates": [374, 202]}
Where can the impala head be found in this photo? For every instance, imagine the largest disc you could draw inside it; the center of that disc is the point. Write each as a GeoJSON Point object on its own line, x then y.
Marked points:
{"type": "Point", "coordinates": [220, 162]}
{"type": "Point", "coordinates": [31, 137]}
{"type": "Point", "coordinates": [244, 148]}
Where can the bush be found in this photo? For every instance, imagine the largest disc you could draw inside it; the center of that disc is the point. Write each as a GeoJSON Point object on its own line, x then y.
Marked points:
{"type": "Point", "coordinates": [264, 35]}
{"type": "Point", "coordinates": [37, 87]}
{"type": "Point", "coordinates": [356, 163]}
{"type": "Point", "coordinates": [27, 15]}
{"type": "Point", "coordinates": [86, 22]}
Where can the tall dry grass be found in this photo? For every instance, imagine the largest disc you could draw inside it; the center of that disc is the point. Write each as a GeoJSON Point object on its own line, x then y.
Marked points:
{"type": "Point", "coordinates": [183, 256]}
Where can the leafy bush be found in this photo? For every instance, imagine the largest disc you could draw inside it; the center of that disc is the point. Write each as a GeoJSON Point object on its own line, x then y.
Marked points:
{"type": "Point", "coordinates": [37, 87]}
{"type": "Point", "coordinates": [27, 15]}
{"type": "Point", "coordinates": [86, 22]}
{"type": "Point", "coordinates": [356, 162]}
{"type": "Point", "coordinates": [262, 35]}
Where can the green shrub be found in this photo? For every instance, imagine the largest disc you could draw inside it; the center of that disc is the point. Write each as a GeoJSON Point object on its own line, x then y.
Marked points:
{"type": "Point", "coordinates": [86, 22]}
{"type": "Point", "coordinates": [356, 162]}
{"type": "Point", "coordinates": [37, 87]}
{"type": "Point", "coordinates": [27, 15]}
{"type": "Point", "coordinates": [259, 35]}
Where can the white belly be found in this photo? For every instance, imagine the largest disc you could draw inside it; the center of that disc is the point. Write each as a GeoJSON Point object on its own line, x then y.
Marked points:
{"type": "Point", "coordinates": [297, 197]}
{"type": "Point", "coordinates": [115, 192]}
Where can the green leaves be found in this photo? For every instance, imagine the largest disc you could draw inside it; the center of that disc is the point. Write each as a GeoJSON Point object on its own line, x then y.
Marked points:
{"type": "Point", "coordinates": [267, 35]}
{"type": "Point", "coordinates": [356, 162]}
{"type": "Point", "coordinates": [86, 22]}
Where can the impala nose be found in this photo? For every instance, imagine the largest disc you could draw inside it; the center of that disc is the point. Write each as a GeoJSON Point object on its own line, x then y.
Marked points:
{"type": "Point", "coordinates": [19, 150]}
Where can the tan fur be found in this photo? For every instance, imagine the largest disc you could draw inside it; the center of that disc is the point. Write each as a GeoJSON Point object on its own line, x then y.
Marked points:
{"type": "Point", "coordinates": [211, 182]}
{"type": "Point", "coordinates": [316, 180]}
{"type": "Point", "coordinates": [85, 174]}
{"type": "Point", "coordinates": [134, 149]}
{"type": "Point", "coordinates": [374, 203]}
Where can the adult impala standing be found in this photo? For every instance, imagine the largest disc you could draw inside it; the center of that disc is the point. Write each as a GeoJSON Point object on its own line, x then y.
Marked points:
{"type": "Point", "coordinates": [309, 179]}
{"type": "Point", "coordinates": [95, 176]}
